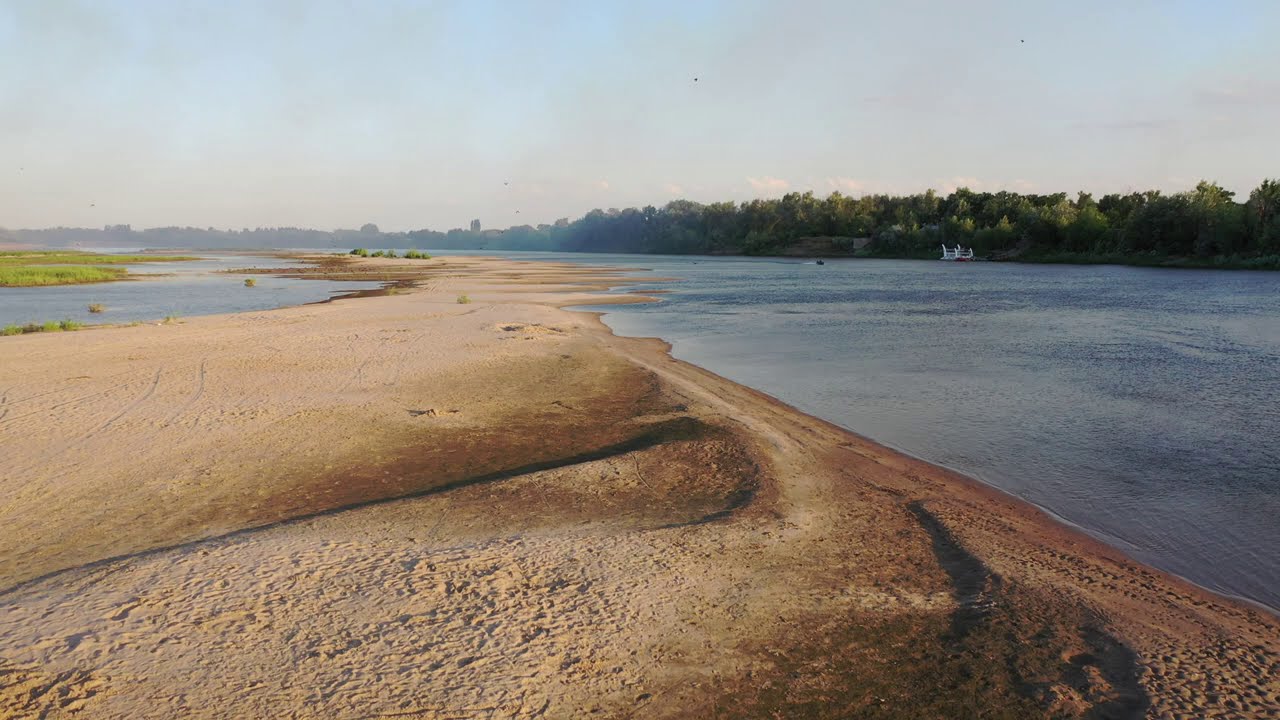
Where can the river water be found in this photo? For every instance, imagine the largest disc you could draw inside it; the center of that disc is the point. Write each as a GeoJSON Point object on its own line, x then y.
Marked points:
{"type": "Point", "coordinates": [182, 289]}
{"type": "Point", "coordinates": [1142, 405]}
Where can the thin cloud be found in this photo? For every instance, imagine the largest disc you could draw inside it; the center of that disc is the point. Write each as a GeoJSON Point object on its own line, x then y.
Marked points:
{"type": "Point", "coordinates": [846, 185]}
{"type": "Point", "coordinates": [1247, 94]}
{"type": "Point", "coordinates": [950, 185]}
{"type": "Point", "coordinates": [768, 184]}
{"type": "Point", "coordinates": [900, 102]}
{"type": "Point", "coordinates": [1124, 125]}
{"type": "Point", "coordinates": [673, 189]}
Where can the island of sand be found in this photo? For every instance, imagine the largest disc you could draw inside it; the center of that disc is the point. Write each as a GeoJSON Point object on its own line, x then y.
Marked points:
{"type": "Point", "coordinates": [413, 507]}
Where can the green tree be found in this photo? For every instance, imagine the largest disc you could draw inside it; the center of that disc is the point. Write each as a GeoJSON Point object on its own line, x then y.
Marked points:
{"type": "Point", "coordinates": [1219, 221]}
{"type": "Point", "coordinates": [1089, 231]}
{"type": "Point", "coordinates": [1263, 216]}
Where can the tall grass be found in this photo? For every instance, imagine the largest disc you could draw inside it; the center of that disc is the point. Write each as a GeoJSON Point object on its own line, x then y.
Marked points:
{"type": "Point", "coordinates": [38, 275]}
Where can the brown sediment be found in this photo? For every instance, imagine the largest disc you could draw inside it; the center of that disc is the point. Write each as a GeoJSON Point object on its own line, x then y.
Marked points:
{"type": "Point", "coordinates": [405, 507]}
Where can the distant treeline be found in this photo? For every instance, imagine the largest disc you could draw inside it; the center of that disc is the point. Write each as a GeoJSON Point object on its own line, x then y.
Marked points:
{"type": "Point", "coordinates": [1205, 226]}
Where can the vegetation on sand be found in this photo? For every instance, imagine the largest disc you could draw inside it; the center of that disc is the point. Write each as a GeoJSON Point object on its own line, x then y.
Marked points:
{"type": "Point", "coordinates": [464, 300]}
{"type": "Point", "coordinates": [49, 326]}
{"type": "Point", "coordinates": [32, 268]}
{"type": "Point", "coordinates": [250, 282]}
{"type": "Point", "coordinates": [39, 275]}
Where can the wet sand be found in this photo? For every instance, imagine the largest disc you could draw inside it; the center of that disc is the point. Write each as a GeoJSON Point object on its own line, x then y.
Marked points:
{"type": "Point", "coordinates": [403, 506]}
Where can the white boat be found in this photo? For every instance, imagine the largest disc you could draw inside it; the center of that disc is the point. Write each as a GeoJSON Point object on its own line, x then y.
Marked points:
{"type": "Point", "coordinates": [958, 254]}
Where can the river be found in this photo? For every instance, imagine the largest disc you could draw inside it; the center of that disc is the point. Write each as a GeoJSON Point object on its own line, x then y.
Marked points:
{"type": "Point", "coordinates": [1142, 405]}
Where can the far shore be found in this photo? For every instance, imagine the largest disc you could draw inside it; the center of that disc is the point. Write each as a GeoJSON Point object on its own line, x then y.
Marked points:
{"type": "Point", "coordinates": [461, 498]}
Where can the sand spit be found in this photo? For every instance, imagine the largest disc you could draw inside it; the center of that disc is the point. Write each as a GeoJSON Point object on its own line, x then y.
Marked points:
{"type": "Point", "coordinates": [408, 507]}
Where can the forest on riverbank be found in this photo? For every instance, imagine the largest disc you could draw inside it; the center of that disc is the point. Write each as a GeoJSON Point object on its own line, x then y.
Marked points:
{"type": "Point", "coordinates": [1204, 226]}
{"type": "Point", "coordinates": [1207, 226]}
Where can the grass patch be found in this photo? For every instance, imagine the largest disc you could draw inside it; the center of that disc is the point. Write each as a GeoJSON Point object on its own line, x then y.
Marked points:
{"type": "Point", "coordinates": [96, 307]}
{"type": "Point", "coordinates": [170, 319]}
{"type": "Point", "coordinates": [464, 300]}
{"type": "Point", "coordinates": [49, 326]}
{"type": "Point", "coordinates": [359, 252]}
{"type": "Point", "coordinates": [72, 257]}
{"type": "Point", "coordinates": [415, 255]}
{"type": "Point", "coordinates": [40, 275]}
{"type": "Point", "coordinates": [250, 282]}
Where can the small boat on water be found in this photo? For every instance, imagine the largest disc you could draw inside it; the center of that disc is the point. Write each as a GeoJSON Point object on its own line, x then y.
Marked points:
{"type": "Point", "coordinates": [820, 262]}
{"type": "Point", "coordinates": [958, 254]}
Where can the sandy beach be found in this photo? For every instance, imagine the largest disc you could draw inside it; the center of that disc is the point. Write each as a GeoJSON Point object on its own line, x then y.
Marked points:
{"type": "Point", "coordinates": [409, 507]}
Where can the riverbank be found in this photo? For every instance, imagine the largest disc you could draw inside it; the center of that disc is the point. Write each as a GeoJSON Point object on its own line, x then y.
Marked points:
{"type": "Point", "coordinates": [407, 505]}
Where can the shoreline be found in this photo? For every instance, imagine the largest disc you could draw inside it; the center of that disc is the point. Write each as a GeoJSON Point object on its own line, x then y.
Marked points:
{"type": "Point", "coordinates": [999, 494]}
{"type": "Point", "coordinates": [1051, 515]}
{"type": "Point", "coordinates": [800, 532]}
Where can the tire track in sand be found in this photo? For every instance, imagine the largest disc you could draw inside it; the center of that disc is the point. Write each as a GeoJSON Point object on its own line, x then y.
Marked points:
{"type": "Point", "coordinates": [33, 488]}
{"type": "Point", "coordinates": [195, 396]}
{"type": "Point", "coordinates": [64, 403]}
{"type": "Point", "coordinates": [39, 395]}
{"type": "Point", "coordinates": [155, 382]}
{"type": "Point", "coordinates": [56, 452]}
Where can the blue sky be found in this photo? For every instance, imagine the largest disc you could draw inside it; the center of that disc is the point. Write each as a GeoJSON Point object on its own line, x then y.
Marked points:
{"type": "Point", "coordinates": [428, 114]}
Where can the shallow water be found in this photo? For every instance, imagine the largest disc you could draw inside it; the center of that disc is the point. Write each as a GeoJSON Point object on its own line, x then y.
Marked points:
{"type": "Point", "coordinates": [181, 289]}
{"type": "Point", "coordinates": [1141, 404]}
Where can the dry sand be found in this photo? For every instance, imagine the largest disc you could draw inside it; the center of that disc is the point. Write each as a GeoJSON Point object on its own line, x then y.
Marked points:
{"type": "Point", "coordinates": [407, 507]}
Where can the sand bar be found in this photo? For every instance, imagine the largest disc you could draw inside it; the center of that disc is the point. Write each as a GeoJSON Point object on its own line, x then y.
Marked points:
{"type": "Point", "coordinates": [404, 506]}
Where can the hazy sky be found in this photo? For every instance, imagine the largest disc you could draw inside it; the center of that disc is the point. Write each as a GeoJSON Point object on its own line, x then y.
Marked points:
{"type": "Point", "coordinates": [417, 114]}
